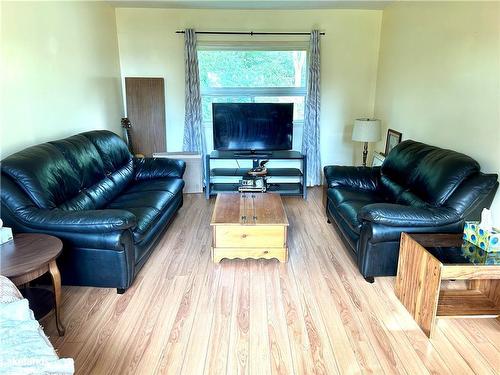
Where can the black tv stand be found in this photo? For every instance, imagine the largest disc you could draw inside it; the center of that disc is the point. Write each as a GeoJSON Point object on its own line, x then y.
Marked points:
{"type": "Point", "coordinates": [284, 188]}
{"type": "Point", "coordinates": [253, 153]}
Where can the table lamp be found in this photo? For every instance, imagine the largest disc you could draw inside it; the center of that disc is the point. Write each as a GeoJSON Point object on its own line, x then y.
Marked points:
{"type": "Point", "coordinates": [366, 130]}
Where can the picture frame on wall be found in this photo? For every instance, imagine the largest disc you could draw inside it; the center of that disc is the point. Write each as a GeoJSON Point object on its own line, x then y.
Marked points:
{"type": "Point", "coordinates": [393, 139]}
{"type": "Point", "coordinates": [378, 159]}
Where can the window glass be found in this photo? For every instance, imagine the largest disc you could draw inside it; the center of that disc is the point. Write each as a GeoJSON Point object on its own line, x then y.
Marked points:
{"type": "Point", "coordinates": [252, 68]}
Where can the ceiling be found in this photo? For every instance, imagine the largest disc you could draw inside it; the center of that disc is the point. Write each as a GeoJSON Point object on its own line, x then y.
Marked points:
{"type": "Point", "coordinates": [257, 4]}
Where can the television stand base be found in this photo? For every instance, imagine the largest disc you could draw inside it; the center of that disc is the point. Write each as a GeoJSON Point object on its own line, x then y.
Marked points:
{"type": "Point", "coordinates": [261, 154]}
{"type": "Point", "coordinates": [285, 179]}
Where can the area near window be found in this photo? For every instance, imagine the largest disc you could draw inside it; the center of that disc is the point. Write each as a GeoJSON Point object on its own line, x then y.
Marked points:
{"type": "Point", "coordinates": [253, 73]}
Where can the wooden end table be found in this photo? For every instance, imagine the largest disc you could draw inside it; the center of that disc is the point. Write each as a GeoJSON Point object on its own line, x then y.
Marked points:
{"type": "Point", "coordinates": [427, 259]}
{"type": "Point", "coordinates": [249, 225]}
{"type": "Point", "coordinates": [30, 255]}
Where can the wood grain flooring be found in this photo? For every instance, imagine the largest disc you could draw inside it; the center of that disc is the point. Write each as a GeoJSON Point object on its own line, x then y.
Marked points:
{"type": "Point", "coordinates": [312, 315]}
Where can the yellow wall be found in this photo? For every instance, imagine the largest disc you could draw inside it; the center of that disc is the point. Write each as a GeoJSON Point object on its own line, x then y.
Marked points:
{"type": "Point", "coordinates": [149, 47]}
{"type": "Point", "coordinates": [439, 77]}
{"type": "Point", "coordinates": [60, 73]}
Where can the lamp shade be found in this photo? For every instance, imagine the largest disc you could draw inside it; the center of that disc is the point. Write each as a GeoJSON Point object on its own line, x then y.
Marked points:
{"type": "Point", "coordinates": [366, 130]}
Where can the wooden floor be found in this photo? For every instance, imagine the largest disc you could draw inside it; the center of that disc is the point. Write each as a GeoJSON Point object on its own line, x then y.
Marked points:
{"type": "Point", "coordinates": [312, 315]}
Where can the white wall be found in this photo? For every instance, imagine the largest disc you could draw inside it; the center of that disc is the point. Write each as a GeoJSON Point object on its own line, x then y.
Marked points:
{"type": "Point", "coordinates": [60, 73]}
{"type": "Point", "coordinates": [439, 77]}
{"type": "Point", "coordinates": [149, 47]}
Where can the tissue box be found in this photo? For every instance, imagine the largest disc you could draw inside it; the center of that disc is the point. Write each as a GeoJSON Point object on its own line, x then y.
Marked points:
{"type": "Point", "coordinates": [485, 239]}
{"type": "Point", "coordinates": [475, 255]}
{"type": "Point", "coordinates": [5, 235]}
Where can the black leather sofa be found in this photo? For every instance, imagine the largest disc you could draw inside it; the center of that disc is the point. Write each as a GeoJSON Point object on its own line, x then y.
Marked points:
{"type": "Point", "coordinates": [418, 189]}
{"type": "Point", "coordinates": [108, 208]}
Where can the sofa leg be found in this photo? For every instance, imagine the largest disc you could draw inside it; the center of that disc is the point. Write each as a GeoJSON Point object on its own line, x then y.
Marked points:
{"type": "Point", "coordinates": [120, 290]}
{"type": "Point", "coordinates": [370, 279]}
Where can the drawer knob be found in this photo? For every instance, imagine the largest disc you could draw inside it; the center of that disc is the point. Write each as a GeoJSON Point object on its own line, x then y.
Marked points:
{"type": "Point", "coordinates": [266, 251]}
{"type": "Point", "coordinates": [243, 235]}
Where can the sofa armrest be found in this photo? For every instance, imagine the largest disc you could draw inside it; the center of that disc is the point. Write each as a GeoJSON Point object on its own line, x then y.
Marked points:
{"type": "Point", "coordinates": [364, 178]}
{"type": "Point", "coordinates": [397, 215]}
{"type": "Point", "coordinates": [87, 221]}
{"type": "Point", "coordinates": [151, 168]}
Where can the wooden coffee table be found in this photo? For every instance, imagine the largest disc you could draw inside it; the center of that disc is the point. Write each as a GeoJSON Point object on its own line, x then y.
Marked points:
{"type": "Point", "coordinates": [249, 225]}
{"type": "Point", "coordinates": [30, 255]}
{"type": "Point", "coordinates": [425, 260]}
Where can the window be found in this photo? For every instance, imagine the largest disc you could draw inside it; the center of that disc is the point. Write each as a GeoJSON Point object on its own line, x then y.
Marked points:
{"type": "Point", "coordinates": [252, 75]}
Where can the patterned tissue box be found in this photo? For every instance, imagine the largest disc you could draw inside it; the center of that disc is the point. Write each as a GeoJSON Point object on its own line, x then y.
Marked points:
{"type": "Point", "coordinates": [475, 255]}
{"type": "Point", "coordinates": [485, 239]}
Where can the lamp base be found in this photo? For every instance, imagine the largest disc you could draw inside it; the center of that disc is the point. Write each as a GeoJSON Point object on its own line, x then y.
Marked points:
{"type": "Point", "coordinates": [365, 153]}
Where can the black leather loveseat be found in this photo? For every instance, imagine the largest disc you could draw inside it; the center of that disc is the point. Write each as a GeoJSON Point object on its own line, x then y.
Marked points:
{"type": "Point", "coordinates": [108, 207]}
{"type": "Point", "coordinates": [418, 188]}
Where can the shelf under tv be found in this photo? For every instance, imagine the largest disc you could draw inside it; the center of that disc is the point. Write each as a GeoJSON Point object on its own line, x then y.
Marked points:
{"type": "Point", "coordinates": [275, 175]}
{"type": "Point", "coordinates": [271, 172]}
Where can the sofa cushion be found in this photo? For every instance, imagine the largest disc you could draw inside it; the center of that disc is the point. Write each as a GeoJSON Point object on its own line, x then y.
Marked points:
{"type": "Point", "coordinates": [407, 198]}
{"type": "Point", "coordinates": [348, 202]}
{"type": "Point", "coordinates": [402, 160]}
{"type": "Point", "coordinates": [389, 189]}
{"type": "Point", "coordinates": [117, 164]}
{"type": "Point", "coordinates": [83, 156]}
{"type": "Point", "coordinates": [147, 200]}
{"type": "Point", "coordinates": [439, 173]}
{"type": "Point", "coordinates": [113, 151]}
{"type": "Point", "coordinates": [339, 195]}
{"type": "Point", "coordinates": [44, 174]}
{"type": "Point", "coordinates": [349, 212]}
{"type": "Point", "coordinates": [431, 173]}
{"type": "Point", "coordinates": [173, 185]}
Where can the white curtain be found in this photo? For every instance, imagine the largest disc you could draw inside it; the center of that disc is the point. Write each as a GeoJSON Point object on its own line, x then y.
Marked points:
{"type": "Point", "coordinates": [310, 138]}
{"type": "Point", "coordinates": [194, 137]}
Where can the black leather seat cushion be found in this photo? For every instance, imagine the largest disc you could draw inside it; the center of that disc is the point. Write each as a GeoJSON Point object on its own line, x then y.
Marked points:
{"type": "Point", "coordinates": [348, 202]}
{"type": "Point", "coordinates": [344, 194]}
{"type": "Point", "coordinates": [147, 200]}
{"type": "Point", "coordinates": [173, 185]}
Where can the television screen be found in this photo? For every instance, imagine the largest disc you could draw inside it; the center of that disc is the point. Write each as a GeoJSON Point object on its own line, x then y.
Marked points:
{"type": "Point", "coordinates": [252, 126]}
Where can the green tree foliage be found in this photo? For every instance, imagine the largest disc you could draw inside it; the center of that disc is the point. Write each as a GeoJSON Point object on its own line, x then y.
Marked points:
{"type": "Point", "coordinates": [251, 68]}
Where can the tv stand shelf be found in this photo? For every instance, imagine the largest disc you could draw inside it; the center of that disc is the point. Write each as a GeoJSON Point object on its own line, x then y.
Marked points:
{"type": "Point", "coordinates": [272, 172]}
{"type": "Point", "coordinates": [283, 173]}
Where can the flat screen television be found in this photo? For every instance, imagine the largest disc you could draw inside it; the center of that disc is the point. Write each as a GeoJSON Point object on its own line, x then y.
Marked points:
{"type": "Point", "coordinates": [252, 126]}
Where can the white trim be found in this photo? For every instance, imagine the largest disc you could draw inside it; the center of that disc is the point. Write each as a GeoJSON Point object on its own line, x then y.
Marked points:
{"type": "Point", "coordinates": [296, 124]}
{"type": "Point", "coordinates": [254, 91]}
{"type": "Point", "coordinates": [234, 45]}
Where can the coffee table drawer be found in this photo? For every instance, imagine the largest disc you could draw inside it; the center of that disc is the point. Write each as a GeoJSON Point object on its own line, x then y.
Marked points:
{"type": "Point", "coordinates": [249, 236]}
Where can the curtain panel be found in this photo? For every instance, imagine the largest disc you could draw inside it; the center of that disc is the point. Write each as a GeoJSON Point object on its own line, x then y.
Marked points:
{"type": "Point", "coordinates": [310, 138]}
{"type": "Point", "coordinates": [194, 136]}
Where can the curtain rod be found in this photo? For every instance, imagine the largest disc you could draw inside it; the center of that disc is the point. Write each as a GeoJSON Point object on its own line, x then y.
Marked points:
{"type": "Point", "coordinates": [246, 33]}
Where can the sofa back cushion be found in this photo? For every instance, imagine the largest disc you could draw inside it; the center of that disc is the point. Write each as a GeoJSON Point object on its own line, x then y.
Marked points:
{"type": "Point", "coordinates": [390, 189]}
{"type": "Point", "coordinates": [439, 173]}
{"type": "Point", "coordinates": [113, 151]}
{"type": "Point", "coordinates": [430, 173]}
{"type": "Point", "coordinates": [83, 157]}
{"type": "Point", "coordinates": [118, 166]}
{"type": "Point", "coordinates": [44, 174]}
{"type": "Point", "coordinates": [81, 172]}
{"type": "Point", "coordinates": [402, 160]}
